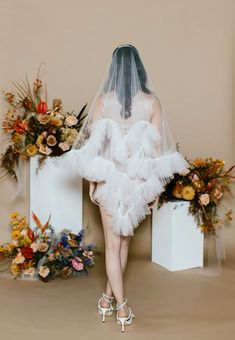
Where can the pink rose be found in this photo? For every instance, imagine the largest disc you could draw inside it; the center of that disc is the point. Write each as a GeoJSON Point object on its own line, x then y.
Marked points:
{"type": "Point", "coordinates": [77, 263]}
{"type": "Point", "coordinates": [204, 199]}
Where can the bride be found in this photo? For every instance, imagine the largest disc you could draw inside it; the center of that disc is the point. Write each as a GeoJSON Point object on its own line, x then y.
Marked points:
{"type": "Point", "coordinates": [127, 153]}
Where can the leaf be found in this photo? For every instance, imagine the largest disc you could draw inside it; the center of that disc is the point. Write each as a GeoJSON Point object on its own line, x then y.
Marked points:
{"type": "Point", "coordinates": [36, 219]}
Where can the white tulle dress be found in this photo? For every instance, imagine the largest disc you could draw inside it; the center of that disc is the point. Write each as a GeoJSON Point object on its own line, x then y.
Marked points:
{"type": "Point", "coordinates": [126, 165]}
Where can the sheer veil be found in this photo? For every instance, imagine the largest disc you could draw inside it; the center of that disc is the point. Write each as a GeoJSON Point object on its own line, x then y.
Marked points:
{"type": "Point", "coordinates": [125, 143]}
{"type": "Point", "coordinates": [126, 96]}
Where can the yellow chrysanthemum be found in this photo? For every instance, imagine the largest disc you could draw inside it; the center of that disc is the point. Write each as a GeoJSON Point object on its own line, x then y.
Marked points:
{"type": "Point", "coordinates": [32, 150]}
{"type": "Point", "coordinates": [15, 234]}
{"type": "Point", "coordinates": [14, 214]}
{"type": "Point", "coordinates": [188, 193]}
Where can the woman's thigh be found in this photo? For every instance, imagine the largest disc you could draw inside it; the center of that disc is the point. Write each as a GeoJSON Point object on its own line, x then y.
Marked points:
{"type": "Point", "coordinates": [111, 238]}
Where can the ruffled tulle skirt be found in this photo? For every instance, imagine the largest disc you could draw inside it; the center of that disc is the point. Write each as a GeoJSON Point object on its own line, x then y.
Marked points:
{"type": "Point", "coordinates": [127, 170]}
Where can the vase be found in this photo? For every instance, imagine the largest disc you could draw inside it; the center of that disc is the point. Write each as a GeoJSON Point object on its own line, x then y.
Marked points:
{"type": "Point", "coordinates": [177, 241]}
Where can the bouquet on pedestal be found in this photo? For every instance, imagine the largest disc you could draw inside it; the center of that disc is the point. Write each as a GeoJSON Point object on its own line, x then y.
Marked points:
{"type": "Point", "coordinates": [204, 186]}
{"type": "Point", "coordinates": [35, 128]}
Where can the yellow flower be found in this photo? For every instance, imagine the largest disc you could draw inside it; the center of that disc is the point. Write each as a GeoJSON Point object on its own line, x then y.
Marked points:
{"type": "Point", "coordinates": [23, 223]}
{"type": "Point", "coordinates": [198, 162]}
{"type": "Point", "coordinates": [17, 138]}
{"type": "Point", "coordinates": [56, 121]}
{"type": "Point", "coordinates": [15, 269]}
{"type": "Point", "coordinates": [14, 214]}
{"type": "Point", "coordinates": [32, 150]}
{"type": "Point", "coordinates": [188, 193]}
{"type": "Point", "coordinates": [198, 185]}
{"type": "Point", "coordinates": [15, 234]}
{"type": "Point", "coordinates": [39, 140]}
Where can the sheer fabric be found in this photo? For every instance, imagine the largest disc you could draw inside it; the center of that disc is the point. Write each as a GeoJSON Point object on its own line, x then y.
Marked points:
{"type": "Point", "coordinates": [125, 144]}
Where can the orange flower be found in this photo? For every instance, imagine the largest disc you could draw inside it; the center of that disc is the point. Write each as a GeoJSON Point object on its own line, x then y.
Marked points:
{"type": "Point", "coordinates": [20, 126]}
{"type": "Point", "coordinates": [42, 107]}
{"type": "Point", "coordinates": [198, 162]}
{"type": "Point", "coordinates": [56, 121]}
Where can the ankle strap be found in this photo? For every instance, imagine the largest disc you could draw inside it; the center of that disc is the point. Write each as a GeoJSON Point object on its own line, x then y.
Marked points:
{"type": "Point", "coordinates": [107, 298]}
{"type": "Point", "coordinates": [121, 305]}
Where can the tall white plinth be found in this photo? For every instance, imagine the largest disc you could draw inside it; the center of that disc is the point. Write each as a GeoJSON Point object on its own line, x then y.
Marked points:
{"type": "Point", "coordinates": [177, 241]}
{"type": "Point", "coordinates": [55, 190]}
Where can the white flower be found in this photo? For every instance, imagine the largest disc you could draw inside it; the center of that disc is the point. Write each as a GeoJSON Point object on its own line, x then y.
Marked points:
{"type": "Point", "coordinates": [30, 271]}
{"type": "Point", "coordinates": [19, 258]}
{"type": "Point", "coordinates": [23, 232]}
{"type": "Point", "coordinates": [34, 246]}
{"type": "Point", "coordinates": [15, 243]}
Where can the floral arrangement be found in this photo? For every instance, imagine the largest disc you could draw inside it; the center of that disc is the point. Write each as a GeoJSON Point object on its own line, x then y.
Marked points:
{"type": "Point", "coordinates": [204, 185]}
{"type": "Point", "coordinates": [35, 128]}
{"type": "Point", "coordinates": [42, 254]}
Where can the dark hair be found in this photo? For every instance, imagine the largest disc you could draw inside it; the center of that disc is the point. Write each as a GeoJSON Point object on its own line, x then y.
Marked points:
{"type": "Point", "coordinates": [125, 51]}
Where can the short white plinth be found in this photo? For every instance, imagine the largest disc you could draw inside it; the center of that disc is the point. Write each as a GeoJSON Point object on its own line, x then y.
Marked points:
{"type": "Point", "coordinates": [55, 190]}
{"type": "Point", "coordinates": [177, 241]}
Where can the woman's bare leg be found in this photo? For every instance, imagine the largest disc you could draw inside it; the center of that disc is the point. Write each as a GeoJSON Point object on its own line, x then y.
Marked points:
{"type": "Point", "coordinates": [125, 240]}
{"type": "Point", "coordinates": [113, 263]}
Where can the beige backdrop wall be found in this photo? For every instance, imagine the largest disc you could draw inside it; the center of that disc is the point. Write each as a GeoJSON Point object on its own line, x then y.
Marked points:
{"type": "Point", "coordinates": [188, 46]}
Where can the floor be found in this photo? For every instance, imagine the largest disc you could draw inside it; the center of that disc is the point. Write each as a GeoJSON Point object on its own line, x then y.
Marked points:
{"type": "Point", "coordinates": [168, 305]}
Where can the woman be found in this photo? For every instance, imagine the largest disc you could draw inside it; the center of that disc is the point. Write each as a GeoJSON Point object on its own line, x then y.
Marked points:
{"type": "Point", "coordinates": [126, 151]}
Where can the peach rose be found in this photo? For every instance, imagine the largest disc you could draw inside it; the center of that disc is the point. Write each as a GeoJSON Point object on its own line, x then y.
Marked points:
{"type": "Point", "coordinates": [71, 120]}
{"type": "Point", "coordinates": [204, 199]}
{"type": "Point", "coordinates": [45, 150]}
{"type": "Point", "coordinates": [43, 247]}
{"type": "Point", "coordinates": [64, 146]}
{"type": "Point", "coordinates": [44, 271]}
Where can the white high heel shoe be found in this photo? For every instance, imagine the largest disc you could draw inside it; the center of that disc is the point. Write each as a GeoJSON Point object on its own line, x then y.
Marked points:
{"type": "Point", "coordinates": [105, 310]}
{"type": "Point", "coordinates": [124, 320]}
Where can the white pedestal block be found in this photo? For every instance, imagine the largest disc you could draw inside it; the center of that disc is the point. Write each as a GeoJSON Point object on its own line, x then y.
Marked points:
{"type": "Point", "coordinates": [54, 190]}
{"type": "Point", "coordinates": [177, 242]}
